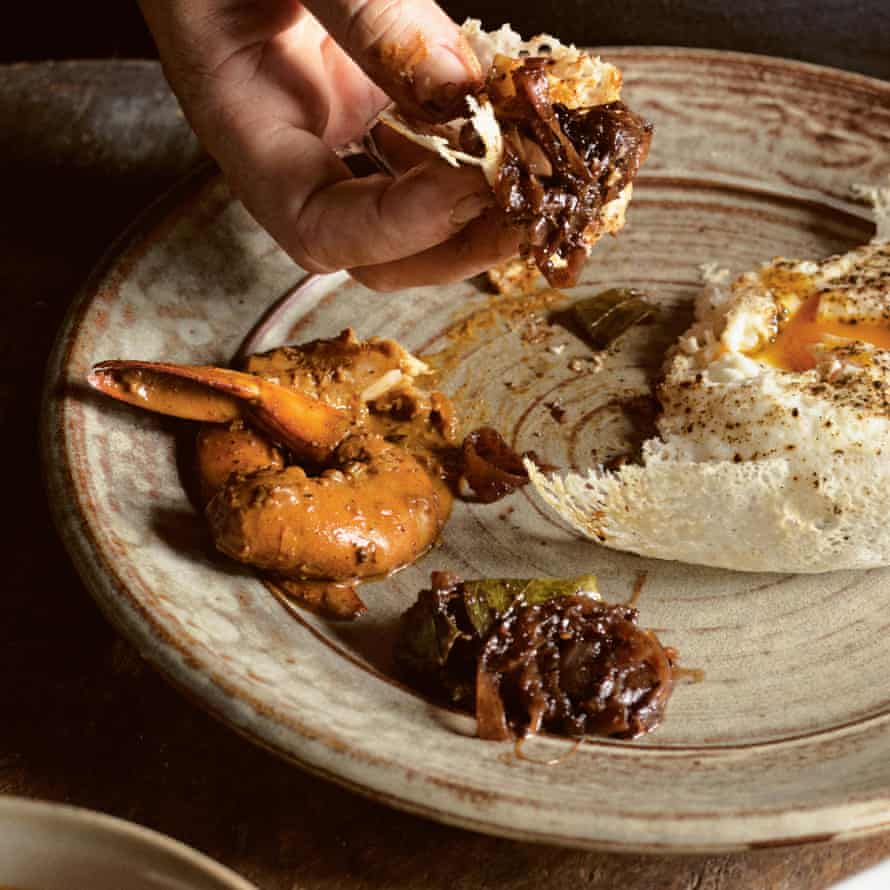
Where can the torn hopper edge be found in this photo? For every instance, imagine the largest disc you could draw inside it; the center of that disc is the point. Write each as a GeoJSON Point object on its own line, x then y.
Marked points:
{"type": "Point", "coordinates": [879, 198]}
{"type": "Point", "coordinates": [481, 115]}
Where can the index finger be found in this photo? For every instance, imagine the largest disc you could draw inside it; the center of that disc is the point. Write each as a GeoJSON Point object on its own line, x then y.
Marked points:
{"type": "Point", "coordinates": [410, 48]}
{"type": "Point", "coordinates": [326, 220]}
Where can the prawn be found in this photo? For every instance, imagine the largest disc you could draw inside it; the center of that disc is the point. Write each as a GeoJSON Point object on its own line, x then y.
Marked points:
{"type": "Point", "coordinates": [294, 480]}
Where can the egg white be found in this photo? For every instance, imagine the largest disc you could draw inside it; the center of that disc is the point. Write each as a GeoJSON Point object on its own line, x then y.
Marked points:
{"type": "Point", "coordinates": [757, 467]}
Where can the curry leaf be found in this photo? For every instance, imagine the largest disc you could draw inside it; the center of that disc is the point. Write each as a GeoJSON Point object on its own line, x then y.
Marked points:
{"type": "Point", "coordinates": [427, 634]}
{"type": "Point", "coordinates": [604, 317]}
{"type": "Point", "coordinates": [488, 599]}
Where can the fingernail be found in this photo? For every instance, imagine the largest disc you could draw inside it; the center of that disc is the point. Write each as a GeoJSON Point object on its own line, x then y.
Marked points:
{"type": "Point", "coordinates": [469, 207]}
{"type": "Point", "coordinates": [445, 75]}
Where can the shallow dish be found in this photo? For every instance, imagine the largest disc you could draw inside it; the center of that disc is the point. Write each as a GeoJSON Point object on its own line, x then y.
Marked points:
{"type": "Point", "coordinates": [786, 740]}
{"type": "Point", "coordinates": [875, 878]}
{"type": "Point", "coordinates": [46, 846]}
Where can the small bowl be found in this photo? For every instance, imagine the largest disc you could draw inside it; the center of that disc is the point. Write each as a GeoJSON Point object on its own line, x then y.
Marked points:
{"type": "Point", "coordinates": [875, 878]}
{"type": "Point", "coordinates": [46, 846]}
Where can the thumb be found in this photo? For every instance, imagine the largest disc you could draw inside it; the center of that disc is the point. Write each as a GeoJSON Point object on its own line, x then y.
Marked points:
{"type": "Point", "coordinates": [410, 48]}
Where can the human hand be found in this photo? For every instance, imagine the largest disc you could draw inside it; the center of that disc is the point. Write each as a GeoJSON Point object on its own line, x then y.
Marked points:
{"type": "Point", "coordinates": [272, 87]}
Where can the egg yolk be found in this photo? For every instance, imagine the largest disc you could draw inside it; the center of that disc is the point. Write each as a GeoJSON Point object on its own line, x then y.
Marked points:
{"type": "Point", "coordinates": [792, 348]}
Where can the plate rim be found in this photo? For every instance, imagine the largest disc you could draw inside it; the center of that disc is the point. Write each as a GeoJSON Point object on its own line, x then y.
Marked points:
{"type": "Point", "coordinates": [847, 820]}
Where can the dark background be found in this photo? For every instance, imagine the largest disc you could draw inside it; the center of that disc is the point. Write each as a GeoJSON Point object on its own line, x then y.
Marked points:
{"type": "Point", "coordinates": [853, 34]}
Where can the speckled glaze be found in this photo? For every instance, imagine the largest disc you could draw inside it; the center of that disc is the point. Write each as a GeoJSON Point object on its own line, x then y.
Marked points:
{"type": "Point", "coordinates": [787, 738]}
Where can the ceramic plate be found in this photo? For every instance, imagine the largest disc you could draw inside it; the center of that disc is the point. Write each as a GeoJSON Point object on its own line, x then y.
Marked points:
{"type": "Point", "coordinates": [787, 738]}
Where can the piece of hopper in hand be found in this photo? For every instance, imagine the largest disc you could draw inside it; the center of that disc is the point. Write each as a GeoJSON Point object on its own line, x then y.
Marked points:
{"type": "Point", "coordinates": [773, 447]}
{"type": "Point", "coordinates": [556, 144]}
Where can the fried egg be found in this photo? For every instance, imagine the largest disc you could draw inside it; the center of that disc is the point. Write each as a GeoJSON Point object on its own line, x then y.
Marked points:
{"type": "Point", "coordinates": [773, 446]}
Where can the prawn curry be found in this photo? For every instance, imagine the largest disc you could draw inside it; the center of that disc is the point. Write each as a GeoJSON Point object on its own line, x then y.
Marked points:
{"type": "Point", "coordinates": [320, 464]}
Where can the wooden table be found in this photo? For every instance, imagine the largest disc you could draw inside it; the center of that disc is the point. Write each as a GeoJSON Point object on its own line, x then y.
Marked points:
{"type": "Point", "coordinates": [83, 146]}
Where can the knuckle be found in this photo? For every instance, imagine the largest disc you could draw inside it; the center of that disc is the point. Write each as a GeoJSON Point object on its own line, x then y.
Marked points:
{"type": "Point", "coordinates": [372, 22]}
{"type": "Point", "coordinates": [374, 279]}
{"type": "Point", "coordinates": [307, 262]}
{"type": "Point", "coordinates": [307, 242]}
{"type": "Point", "coordinates": [308, 259]}
{"type": "Point", "coordinates": [385, 227]}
